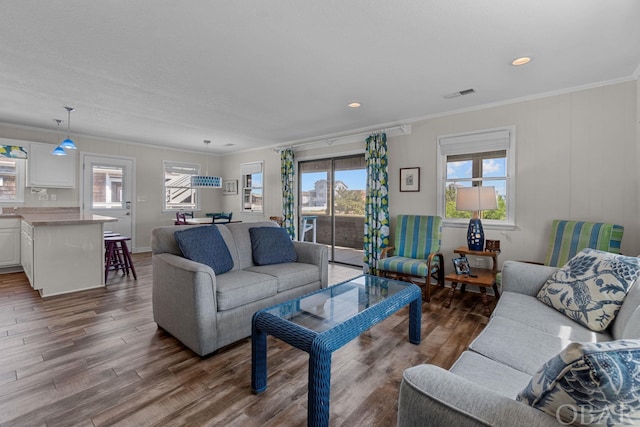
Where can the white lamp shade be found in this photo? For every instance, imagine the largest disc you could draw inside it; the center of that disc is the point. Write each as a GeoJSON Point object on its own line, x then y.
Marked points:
{"type": "Point", "coordinates": [476, 199]}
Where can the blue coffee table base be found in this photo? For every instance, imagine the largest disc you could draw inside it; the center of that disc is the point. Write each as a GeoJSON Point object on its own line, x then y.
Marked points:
{"type": "Point", "coordinates": [320, 345]}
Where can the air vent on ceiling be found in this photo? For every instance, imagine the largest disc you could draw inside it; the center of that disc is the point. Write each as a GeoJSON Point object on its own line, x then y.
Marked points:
{"type": "Point", "coordinates": [460, 93]}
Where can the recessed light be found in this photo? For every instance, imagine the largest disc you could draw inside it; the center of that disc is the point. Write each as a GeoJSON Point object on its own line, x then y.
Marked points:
{"type": "Point", "coordinates": [354, 105]}
{"type": "Point", "coordinates": [521, 61]}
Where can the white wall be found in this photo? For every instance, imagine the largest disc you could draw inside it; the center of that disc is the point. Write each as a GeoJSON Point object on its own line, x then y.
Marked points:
{"type": "Point", "coordinates": [148, 206]}
{"type": "Point", "coordinates": [272, 191]}
{"type": "Point", "coordinates": [577, 158]}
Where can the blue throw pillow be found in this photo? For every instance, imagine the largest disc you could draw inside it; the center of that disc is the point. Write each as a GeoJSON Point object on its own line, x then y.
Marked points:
{"type": "Point", "coordinates": [271, 245]}
{"type": "Point", "coordinates": [589, 384]}
{"type": "Point", "coordinates": [206, 246]}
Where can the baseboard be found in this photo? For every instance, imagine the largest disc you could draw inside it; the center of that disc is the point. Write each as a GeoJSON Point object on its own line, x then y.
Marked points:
{"type": "Point", "coordinates": [16, 269]}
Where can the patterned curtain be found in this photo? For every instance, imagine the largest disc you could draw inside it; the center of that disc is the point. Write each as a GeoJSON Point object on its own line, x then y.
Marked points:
{"type": "Point", "coordinates": [376, 221]}
{"type": "Point", "coordinates": [288, 208]}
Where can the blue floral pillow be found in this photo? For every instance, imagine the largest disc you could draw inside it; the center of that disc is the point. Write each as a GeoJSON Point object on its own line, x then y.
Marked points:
{"type": "Point", "coordinates": [271, 245]}
{"type": "Point", "coordinates": [589, 384]}
{"type": "Point", "coordinates": [206, 246]}
{"type": "Point", "coordinates": [592, 286]}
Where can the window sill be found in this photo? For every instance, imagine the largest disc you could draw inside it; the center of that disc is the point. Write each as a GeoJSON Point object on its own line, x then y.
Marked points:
{"type": "Point", "coordinates": [487, 225]}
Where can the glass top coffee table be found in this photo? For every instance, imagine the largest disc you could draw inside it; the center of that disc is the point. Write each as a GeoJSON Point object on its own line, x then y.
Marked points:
{"type": "Point", "coordinates": [322, 322]}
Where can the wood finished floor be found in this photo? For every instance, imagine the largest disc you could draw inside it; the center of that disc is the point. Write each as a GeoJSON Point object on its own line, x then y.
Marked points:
{"type": "Point", "coordinates": [96, 358]}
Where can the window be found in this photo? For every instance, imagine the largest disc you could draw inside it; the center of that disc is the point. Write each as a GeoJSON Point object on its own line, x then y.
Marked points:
{"type": "Point", "coordinates": [252, 200]}
{"type": "Point", "coordinates": [484, 158]}
{"type": "Point", "coordinates": [178, 193]}
{"type": "Point", "coordinates": [11, 180]}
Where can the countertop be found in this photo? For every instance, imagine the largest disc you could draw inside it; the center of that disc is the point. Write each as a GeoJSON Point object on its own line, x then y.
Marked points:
{"type": "Point", "coordinates": [56, 216]}
{"type": "Point", "coordinates": [64, 219]}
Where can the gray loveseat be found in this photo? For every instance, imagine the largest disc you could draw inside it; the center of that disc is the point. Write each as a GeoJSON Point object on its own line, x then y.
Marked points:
{"type": "Point", "coordinates": [522, 334]}
{"type": "Point", "coordinates": [206, 311]}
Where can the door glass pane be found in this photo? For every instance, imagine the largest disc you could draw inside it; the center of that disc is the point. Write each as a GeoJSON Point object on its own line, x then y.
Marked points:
{"type": "Point", "coordinates": [107, 187]}
{"type": "Point", "coordinates": [314, 185]}
{"type": "Point", "coordinates": [349, 203]}
{"type": "Point", "coordinates": [333, 190]}
{"type": "Point", "coordinates": [350, 186]}
{"type": "Point", "coordinates": [315, 200]}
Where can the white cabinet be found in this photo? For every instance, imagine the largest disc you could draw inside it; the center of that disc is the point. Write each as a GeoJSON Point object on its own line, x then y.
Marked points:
{"type": "Point", "coordinates": [58, 259]}
{"type": "Point", "coordinates": [9, 242]}
{"type": "Point", "coordinates": [46, 170]}
{"type": "Point", "coordinates": [26, 250]}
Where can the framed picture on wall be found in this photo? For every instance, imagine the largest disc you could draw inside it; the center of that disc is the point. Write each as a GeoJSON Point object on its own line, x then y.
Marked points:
{"type": "Point", "coordinates": [410, 179]}
{"type": "Point", "coordinates": [230, 187]}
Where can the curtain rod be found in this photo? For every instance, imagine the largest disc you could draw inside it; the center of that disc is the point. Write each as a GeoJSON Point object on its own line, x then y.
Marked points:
{"type": "Point", "coordinates": [354, 137]}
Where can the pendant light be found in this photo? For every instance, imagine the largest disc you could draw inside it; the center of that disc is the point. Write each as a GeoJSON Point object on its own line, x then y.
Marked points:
{"type": "Point", "coordinates": [206, 181]}
{"type": "Point", "coordinates": [58, 151]}
{"type": "Point", "coordinates": [68, 143]}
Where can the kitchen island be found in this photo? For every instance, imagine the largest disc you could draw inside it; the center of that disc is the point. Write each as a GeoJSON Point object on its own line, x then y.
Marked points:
{"type": "Point", "coordinates": [62, 251]}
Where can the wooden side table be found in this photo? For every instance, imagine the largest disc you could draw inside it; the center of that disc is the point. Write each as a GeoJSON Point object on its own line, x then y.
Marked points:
{"type": "Point", "coordinates": [485, 278]}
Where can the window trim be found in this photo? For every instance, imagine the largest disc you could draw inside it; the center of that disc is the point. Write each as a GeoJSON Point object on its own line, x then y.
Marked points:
{"type": "Point", "coordinates": [166, 163]}
{"type": "Point", "coordinates": [480, 141]}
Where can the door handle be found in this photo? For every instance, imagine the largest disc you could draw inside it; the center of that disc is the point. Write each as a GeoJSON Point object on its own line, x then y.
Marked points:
{"type": "Point", "coordinates": [127, 205]}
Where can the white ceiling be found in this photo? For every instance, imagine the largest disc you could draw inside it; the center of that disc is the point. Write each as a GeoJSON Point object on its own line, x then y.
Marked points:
{"type": "Point", "coordinates": [263, 73]}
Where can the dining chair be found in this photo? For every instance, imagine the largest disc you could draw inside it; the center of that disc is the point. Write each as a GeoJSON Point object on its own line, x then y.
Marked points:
{"type": "Point", "coordinates": [221, 216]}
{"type": "Point", "coordinates": [181, 218]}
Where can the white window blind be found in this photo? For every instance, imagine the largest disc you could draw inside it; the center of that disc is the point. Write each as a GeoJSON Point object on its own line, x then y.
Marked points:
{"type": "Point", "coordinates": [475, 143]}
{"type": "Point", "coordinates": [250, 168]}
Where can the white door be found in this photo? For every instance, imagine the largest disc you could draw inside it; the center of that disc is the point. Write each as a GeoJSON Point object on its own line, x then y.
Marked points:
{"type": "Point", "coordinates": [108, 189]}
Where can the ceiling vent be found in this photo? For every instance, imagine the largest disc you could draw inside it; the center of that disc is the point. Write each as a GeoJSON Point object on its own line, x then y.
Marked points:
{"type": "Point", "coordinates": [460, 93]}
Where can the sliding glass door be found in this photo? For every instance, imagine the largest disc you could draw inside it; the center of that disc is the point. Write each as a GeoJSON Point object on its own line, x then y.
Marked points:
{"type": "Point", "coordinates": [333, 191]}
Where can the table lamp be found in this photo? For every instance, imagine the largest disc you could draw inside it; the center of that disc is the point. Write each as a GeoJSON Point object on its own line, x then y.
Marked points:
{"type": "Point", "coordinates": [476, 199]}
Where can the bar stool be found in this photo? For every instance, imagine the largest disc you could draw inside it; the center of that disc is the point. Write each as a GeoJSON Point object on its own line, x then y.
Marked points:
{"type": "Point", "coordinates": [108, 233]}
{"type": "Point", "coordinates": [117, 256]}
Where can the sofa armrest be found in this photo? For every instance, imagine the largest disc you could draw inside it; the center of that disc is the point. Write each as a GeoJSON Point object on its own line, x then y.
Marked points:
{"type": "Point", "coordinates": [313, 253]}
{"type": "Point", "coordinates": [524, 278]}
{"type": "Point", "coordinates": [432, 396]}
{"type": "Point", "coordinates": [184, 302]}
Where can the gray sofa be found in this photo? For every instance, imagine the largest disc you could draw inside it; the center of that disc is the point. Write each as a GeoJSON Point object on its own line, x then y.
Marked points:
{"type": "Point", "coordinates": [206, 311]}
{"type": "Point", "coordinates": [522, 334]}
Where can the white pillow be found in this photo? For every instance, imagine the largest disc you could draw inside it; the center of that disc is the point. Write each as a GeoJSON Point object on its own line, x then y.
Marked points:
{"type": "Point", "coordinates": [595, 384]}
{"type": "Point", "coordinates": [592, 286]}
